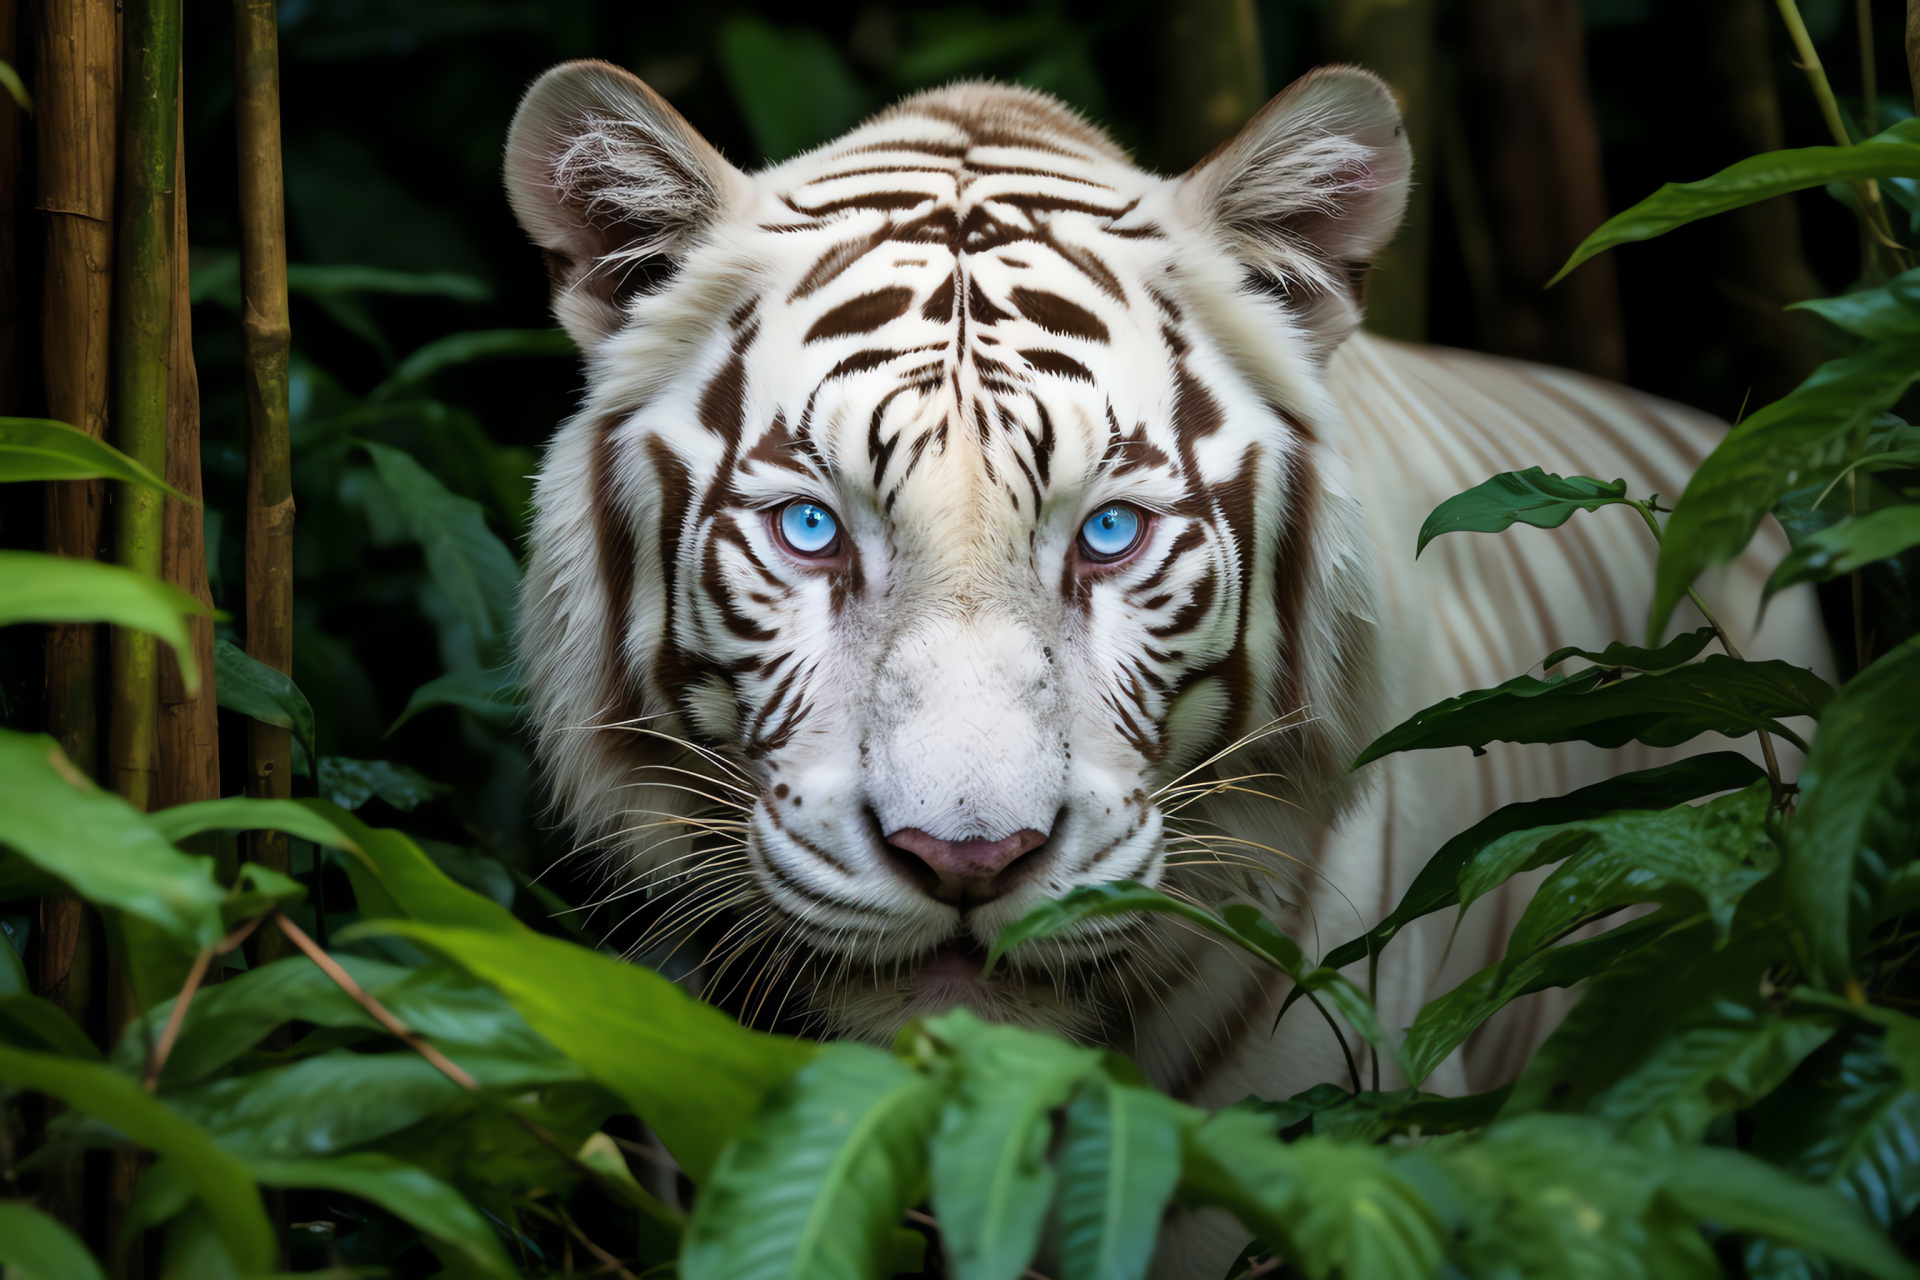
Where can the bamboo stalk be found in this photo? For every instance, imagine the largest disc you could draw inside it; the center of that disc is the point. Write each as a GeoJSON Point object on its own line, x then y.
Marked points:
{"type": "Point", "coordinates": [1395, 38]}
{"type": "Point", "coordinates": [11, 135]}
{"type": "Point", "coordinates": [268, 339]}
{"type": "Point", "coordinates": [77, 99]}
{"type": "Point", "coordinates": [143, 342]}
{"type": "Point", "coordinates": [189, 723]}
{"type": "Point", "coordinates": [1212, 78]}
{"type": "Point", "coordinates": [1913, 50]}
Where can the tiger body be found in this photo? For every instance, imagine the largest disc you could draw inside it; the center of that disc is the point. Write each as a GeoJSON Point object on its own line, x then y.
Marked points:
{"type": "Point", "coordinates": [962, 331]}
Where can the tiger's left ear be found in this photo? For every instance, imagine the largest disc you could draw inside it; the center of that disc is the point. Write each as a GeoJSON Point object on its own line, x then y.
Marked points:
{"type": "Point", "coordinates": [1309, 191]}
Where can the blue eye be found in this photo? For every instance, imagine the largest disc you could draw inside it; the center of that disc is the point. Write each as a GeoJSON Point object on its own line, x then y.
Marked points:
{"type": "Point", "coordinates": [1110, 533]}
{"type": "Point", "coordinates": [809, 528]}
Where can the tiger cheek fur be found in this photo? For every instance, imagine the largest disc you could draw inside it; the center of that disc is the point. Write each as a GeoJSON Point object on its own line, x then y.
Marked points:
{"type": "Point", "coordinates": [961, 330]}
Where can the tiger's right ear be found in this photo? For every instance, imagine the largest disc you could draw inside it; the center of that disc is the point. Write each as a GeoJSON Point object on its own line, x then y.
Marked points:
{"type": "Point", "coordinates": [614, 185]}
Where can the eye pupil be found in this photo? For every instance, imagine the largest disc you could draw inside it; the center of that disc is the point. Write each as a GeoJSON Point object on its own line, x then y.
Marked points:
{"type": "Point", "coordinates": [809, 529]}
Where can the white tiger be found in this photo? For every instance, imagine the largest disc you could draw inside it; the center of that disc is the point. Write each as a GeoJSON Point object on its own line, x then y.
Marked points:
{"type": "Point", "coordinates": [961, 506]}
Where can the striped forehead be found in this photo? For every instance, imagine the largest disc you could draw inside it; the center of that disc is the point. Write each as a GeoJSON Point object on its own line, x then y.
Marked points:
{"type": "Point", "coordinates": [945, 293]}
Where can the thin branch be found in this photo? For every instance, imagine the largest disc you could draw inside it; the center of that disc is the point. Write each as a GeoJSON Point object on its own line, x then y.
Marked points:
{"type": "Point", "coordinates": [344, 980]}
{"type": "Point", "coordinates": [157, 1059]}
{"type": "Point", "coordinates": [1353, 1071]}
{"type": "Point", "coordinates": [607, 1260]}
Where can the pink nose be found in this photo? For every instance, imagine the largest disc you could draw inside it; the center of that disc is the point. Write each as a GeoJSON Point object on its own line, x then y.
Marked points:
{"type": "Point", "coordinates": [963, 872]}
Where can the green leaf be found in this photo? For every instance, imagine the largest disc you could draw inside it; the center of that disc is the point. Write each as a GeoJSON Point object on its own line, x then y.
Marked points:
{"type": "Point", "coordinates": [252, 688]}
{"type": "Point", "coordinates": [99, 846]}
{"type": "Point", "coordinates": [468, 561]}
{"type": "Point", "coordinates": [351, 783]}
{"type": "Point", "coordinates": [791, 85]}
{"type": "Point", "coordinates": [1859, 814]}
{"type": "Point", "coordinates": [1677, 652]}
{"type": "Point", "coordinates": [29, 1022]}
{"type": "Point", "coordinates": [1532, 497]}
{"type": "Point", "coordinates": [1718, 695]}
{"type": "Point", "coordinates": [37, 588]}
{"type": "Point", "coordinates": [1891, 310]}
{"type": "Point", "coordinates": [1119, 1165]}
{"type": "Point", "coordinates": [41, 449]}
{"type": "Point", "coordinates": [1671, 1037]}
{"type": "Point", "coordinates": [317, 281]}
{"type": "Point", "coordinates": [814, 1186]}
{"type": "Point", "coordinates": [238, 813]}
{"type": "Point", "coordinates": [392, 877]}
{"type": "Point", "coordinates": [686, 1068]}
{"type": "Point", "coordinates": [479, 344]}
{"type": "Point", "coordinates": [1691, 855]}
{"type": "Point", "coordinates": [1848, 546]}
{"type": "Point", "coordinates": [1438, 884]}
{"type": "Point", "coordinates": [1736, 1192]}
{"type": "Point", "coordinates": [1329, 1207]}
{"type": "Point", "coordinates": [1558, 1196]}
{"type": "Point", "coordinates": [417, 1198]}
{"type": "Point", "coordinates": [1445, 1023]}
{"type": "Point", "coordinates": [1244, 927]}
{"type": "Point", "coordinates": [495, 696]}
{"type": "Point", "coordinates": [218, 1179]}
{"type": "Point", "coordinates": [35, 1247]}
{"type": "Point", "coordinates": [992, 1182]}
{"type": "Point", "coordinates": [1892, 154]}
{"type": "Point", "coordinates": [1769, 455]}
{"type": "Point", "coordinates": [1848, 1119]}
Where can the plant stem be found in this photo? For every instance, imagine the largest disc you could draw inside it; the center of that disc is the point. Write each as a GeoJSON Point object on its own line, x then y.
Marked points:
{"type": "Point", "coordinates": [143, 337]}
{"type": "Point", "coordinates": [1867, 191]}
{"type": "Point", "coordinates": [1720, 633]}
{"type": "Point", "coordinates": [268, 338]}
{"type": "Point", "coordinates": [1353, 1071]}
{"type": "Point", "coordinates": [344, 980]}
{"type": "Point", "coordinates": [157, 1060]}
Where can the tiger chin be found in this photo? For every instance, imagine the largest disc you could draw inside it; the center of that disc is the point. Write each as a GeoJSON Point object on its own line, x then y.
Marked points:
{"type": "Point", "coordinates": [958, 514]}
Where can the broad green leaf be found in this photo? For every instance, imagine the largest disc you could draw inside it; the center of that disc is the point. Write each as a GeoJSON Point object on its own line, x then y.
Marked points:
{"type": "Point", "coordinates": [791, 85]}
{"type": "Point", "coordinates": [352, 783]}
{"type": "Point", "coordinates": [992, 1181]}
{"type": "Point", "coordinates": [813, 1187]}
{"type": "Point", "coordinates": [1533, 497]}
{"type": "Point", "coordinates": [256, 891]}
{"type": "Point", "coordinates": [1770, 454]}
{"type": "Point", "coordinates": [29, 1022]}
{"type": "Point", "coordinates": [1119, 1165]}
{"type": "Point", "coordinates": [193, 1249]}
{"type": "Point", "coordinates": [1717, 695]}
{"type": "Point", "coordinates": [1445, 1023]}
{"type": "Point", "coordinates": [1892, 154]}
{"type": "Point", "coordinates": [1688, 856]}
{"type": "Point", "coordinates": [1677, 652]}
{"type": "Point", "coordinates": [1330, 1111]}
{"type": "Point", "coordinates": [99, 846]}
{"type": "Point", "coordinates": [493, 695]}
{"type": "Point", "coordinates": [479, 344]}
{"type": "Point", "coordinates": [1243, 926]}
{"type": "Point", "coordinates": [1736, 1192]}
{"type": "Point", "coordinates": [1558, 1196]}
{"type": "Point", "coordinates": [684, 1067]}
{"type": "Point", "coordinates": [468, 561]}
{"type": "Point", "coordinates": [220, 1181]}
{"type": "Point", "coordinates": [1859, 813]}
{"type": "Point", "coordinates": [1329, 1207]}
{"type": "Point", "coordinates": [253, 688]}
{"type": "Point", "coordinates": [1848, 1119]}
{"type": "Point", "coordinates": [1850, 545]}
{"type": "Point", "coordinates": [601, 1154]}
{"type": "Point", "coordinates": [1891, 310]}
{"type": "Point", "coordinates": [36, 1247]}
{"type": "Point", "coordinates": [239, 813]}
{"type": "Point", "coordinates": [216, 278]}
{"type": "Point", "coordinates": [417, 1198]}
{"type": "Point", "coordinates": [41, 449]}
{"type": "Point", "coordinates": [1438, 884]}
{"type": "Point", "coordinates": [1671, 1037]}
{"type": "Point", "coordinates": [392, 877]}
{"type": "Point", "coordinates": [37, 588]}
{"type": "Point", "coordinates": [457, 1013]}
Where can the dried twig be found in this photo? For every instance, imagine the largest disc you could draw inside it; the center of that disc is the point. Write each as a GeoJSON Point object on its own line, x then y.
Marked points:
{"type": "Point", "coordinates": [157, 1059]}
{"type": "Point", "coordinates": [412, 1039]}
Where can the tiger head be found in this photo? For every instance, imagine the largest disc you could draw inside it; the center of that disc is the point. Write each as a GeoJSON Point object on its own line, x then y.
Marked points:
{"type": "Point", "coordinates": [950, 520]}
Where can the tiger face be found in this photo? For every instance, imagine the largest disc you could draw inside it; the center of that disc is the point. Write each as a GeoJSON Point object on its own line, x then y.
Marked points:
{"type": "Point", "coordinates": [948, 524]}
